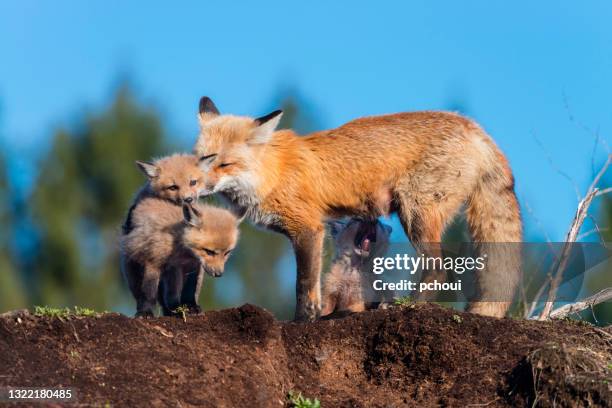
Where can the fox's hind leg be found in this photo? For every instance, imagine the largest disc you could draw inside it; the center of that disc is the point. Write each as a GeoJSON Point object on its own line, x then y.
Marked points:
{"type": "Point", "coordinates": [146, 291]}
{"type": "Point", "coordinates": [328, 301]}
{"type": "Point", "coordinates": [424, 221]}
{"type": "Point", "coordinates": [172, 288]}
{"type": "Point", "coordinates": [425, 235]}
{"type": "Point", "coordinates": [330, 292]}
{"type": "Point", "coordinates": [191, 291]}
{"type": "Point", "coordinates": [134, 275]}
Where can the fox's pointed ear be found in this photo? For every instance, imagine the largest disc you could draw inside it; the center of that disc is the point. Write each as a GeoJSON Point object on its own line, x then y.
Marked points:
{"type": "Point", "coordinates": [239, 213]}
{"type": "Point", "coordinates": [265, 126]}
{"type": "Point", "coordinates": [207, 110]}
{"type": "Point", "coordinates": [191, 216]}
{"type": "Point", "coordinates": [149, 169]}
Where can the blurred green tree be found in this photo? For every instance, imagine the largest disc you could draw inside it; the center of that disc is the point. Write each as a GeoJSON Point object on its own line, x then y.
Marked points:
{"type": "Point", "coordinates": [12, 293]}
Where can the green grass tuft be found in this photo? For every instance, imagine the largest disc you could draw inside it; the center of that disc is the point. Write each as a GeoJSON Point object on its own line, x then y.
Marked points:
{"type": "Point", "coordinates": [63, 313]}
{"type": "Point", "coordinates": [403, 301]}
{"type": "Point", "coordinates": [182, 310]}
{"type": "Point", "coordinates": [83, 311]}
{"type": "Point", "coordinates": [299, 401]}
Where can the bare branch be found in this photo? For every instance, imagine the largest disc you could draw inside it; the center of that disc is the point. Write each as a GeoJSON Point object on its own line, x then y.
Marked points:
{"type": "Point", "coordinates": [591, 232]}
{"type": "Point", "coordinates": [539, 224]}
{"type": "Point", "coordinates": [556, 169]}
{"type": "Point", "coordinates": [602, 239]}
{"type": "Point", "coordinates": [584, 127]}
{"type": "Point", "coordinates": [604, 191]}
{"type": "Point", "coordinates": [599, 297]}
{"type": "Point", "coordinates": [581, 213]}
{"type": "Point", "coordinates": [600, 174]}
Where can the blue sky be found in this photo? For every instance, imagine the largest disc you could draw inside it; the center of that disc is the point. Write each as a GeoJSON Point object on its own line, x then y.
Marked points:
{"type": "Point", "coordinates": [520, 68]}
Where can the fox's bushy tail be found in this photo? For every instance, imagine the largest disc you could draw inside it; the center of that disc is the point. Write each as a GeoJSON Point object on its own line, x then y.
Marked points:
{"type": "Point", "coordinates": [494, 219]}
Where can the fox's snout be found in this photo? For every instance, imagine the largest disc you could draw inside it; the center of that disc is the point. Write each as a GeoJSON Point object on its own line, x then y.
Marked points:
{"type": "Point", "coordinates": [212, 271]}
{"type": "Point", "coordinates": [190, 197]}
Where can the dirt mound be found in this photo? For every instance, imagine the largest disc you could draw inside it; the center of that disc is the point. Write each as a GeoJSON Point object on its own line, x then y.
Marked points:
{"type": "Point", "coordinates": [410, 356]}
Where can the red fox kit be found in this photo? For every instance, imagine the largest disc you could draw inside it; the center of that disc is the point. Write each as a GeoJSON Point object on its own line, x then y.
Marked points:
{"type": "Point", "coordinates": [424, 166]}
{"type": "Point", "coordinates": [176, 179]}
{"type": "Point", "coordinates": [348, 284]}
{"type": "Point", "coordinates": [169, 248]}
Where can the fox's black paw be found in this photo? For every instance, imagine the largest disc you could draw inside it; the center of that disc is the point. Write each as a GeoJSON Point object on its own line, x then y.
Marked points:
{"type": "Point", "coordinates": [195, 309]}
{"type": "Point", "coordinates": [145, 314]}
{"type": "Point", "coordinates": [308, 312]}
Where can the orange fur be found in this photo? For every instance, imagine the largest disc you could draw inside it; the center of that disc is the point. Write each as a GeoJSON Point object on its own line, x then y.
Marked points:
{"type": "Point", "coordinates": [422, 165]}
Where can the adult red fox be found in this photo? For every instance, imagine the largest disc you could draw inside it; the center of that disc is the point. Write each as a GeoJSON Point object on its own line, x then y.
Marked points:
{"type": "Point", "coordinates": [422, 165]}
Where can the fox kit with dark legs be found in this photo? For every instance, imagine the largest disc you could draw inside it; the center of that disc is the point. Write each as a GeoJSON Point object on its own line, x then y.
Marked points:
{"type": "Point", "coordinates": [171, 245]}
{"type": "Point", "coordinates": [422, 165]}
{"type": "Point", "coordinates": [347, 287]}
{"type": "Point", "coordinates": [167, 247]}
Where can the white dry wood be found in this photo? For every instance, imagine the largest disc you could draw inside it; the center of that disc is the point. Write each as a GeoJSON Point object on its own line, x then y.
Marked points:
{"type": "Point", "coordinates": [569, 309]}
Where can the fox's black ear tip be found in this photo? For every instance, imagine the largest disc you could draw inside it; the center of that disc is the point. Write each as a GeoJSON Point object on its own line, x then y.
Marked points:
{"type": "Point", "coordinates": [269, 116]}
{"type": "Point", "coordinates": [207, 106]}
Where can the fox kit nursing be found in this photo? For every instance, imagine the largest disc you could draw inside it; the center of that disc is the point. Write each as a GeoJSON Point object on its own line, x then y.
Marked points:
{"type": "Point", "coordinates": [167, 247]}
{"type": "Point", "coordinates": [348, 284]}
{"type": "Point", "coordinates": [424, 166]}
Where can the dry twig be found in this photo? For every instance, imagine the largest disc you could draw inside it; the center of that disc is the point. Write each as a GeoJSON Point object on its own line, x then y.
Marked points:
{"type": "Point", "coordinates": [599, 297]}
{"type": "Point", "coordinates": [571, 237]}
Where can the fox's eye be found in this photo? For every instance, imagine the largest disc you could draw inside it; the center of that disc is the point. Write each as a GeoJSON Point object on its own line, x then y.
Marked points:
{"type": "Point", "coordinates": [208, 158]}
{"type": "Point", "coordinates": [193, 182]}
{"type": "Point", "coordinates": [225, 165]}
{"type": "Point", "coordinates": [173, 187]}
{"type": "Point", "coordinates": [209, 252]}
{"type": "Point", "coordinates": [228, 252]}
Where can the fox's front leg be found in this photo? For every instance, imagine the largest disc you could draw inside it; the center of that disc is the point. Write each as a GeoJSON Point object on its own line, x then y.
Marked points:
{"type": "Point", "coordinates": [191, 290]}
{"type": "Point", "coordinates": [308, 247]}
{"type": "Point", "coordinates": [173, 286]}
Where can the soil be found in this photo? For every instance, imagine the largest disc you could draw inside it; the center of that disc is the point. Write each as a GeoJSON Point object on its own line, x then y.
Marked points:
{"type": "Point", "coordinates": [418, 355]}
